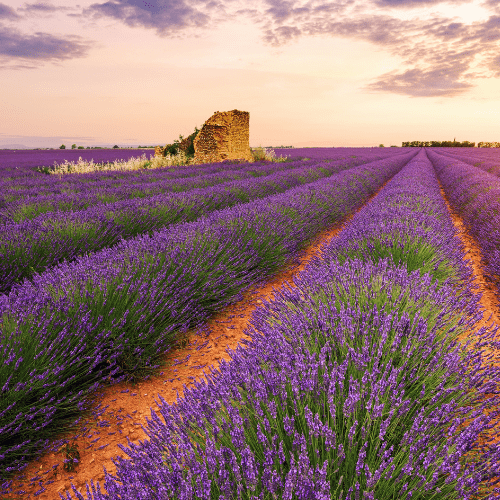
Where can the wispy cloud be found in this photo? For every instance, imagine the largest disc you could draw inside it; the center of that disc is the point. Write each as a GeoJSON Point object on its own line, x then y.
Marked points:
{"type": "Point", "coordinates": [167, 17]}
{"type": "Point", "coordinates": [436, 82]}
{"type": "Point", "coordinates": [411, 4]}
{"type": "Point", "coordinates": [492, 5]}
{"type": "Point", "coordinates": [20, 48]}
{"type": "Point", "coordinates": [42, 8]}
{"type": "Point", "coordinates": [7, 12]}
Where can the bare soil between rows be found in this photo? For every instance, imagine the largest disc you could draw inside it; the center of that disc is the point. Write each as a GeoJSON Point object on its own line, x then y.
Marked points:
{"type": "Point", "coordinates": [125, 406]}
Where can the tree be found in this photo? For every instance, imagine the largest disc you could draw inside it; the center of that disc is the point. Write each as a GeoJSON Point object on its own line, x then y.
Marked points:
{"type": "Point", "coordinates": [73, 146]}
{"type": "Point", "coordinates": [81, 147]}
{"type": "Point", "coordinates": [62, 147]}
{"type": "Point", "coordinates": [380, 145]}
{"type": "Point", "coordinates": [115, 147]}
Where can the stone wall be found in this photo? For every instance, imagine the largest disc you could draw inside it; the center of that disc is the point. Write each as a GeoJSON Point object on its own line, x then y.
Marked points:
{"type": "Point", "coordinates": [224, 136]}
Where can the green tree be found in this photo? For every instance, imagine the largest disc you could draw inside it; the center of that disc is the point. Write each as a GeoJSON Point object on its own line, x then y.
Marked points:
{"type": "Point", "coordinates": [380, 145]}
{"type": "Point", "coordinates": [115, 147]}
{"type": "Point", "coordinates": [190, 150]}
{"type": "Point", "coordinates": [62, 147]}
{"type": "Point", "coordinates": [73, 146]}
{"type": "Point", "coordinates": [81, 147]}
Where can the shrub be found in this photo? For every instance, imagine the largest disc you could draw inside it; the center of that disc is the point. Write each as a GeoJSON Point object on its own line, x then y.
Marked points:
{"type": "Point", "coordinates": [184, 145]}
{"type": "Point", "coordinates": [262, 154]}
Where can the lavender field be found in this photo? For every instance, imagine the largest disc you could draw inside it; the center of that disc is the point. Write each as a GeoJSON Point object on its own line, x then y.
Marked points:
{"type": "Point", "coordinates": [356, 383]}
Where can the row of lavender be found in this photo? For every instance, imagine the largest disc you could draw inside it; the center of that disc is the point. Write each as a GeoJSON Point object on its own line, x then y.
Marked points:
{"type": "Point", "coordinates": [26, 162]}
{"type": "Point", "coordinates": [22, 164]}
{"type": "Point", "coordinates": [31, 246]}
{"type": "Point", "coordinates": [82, 191]}
{"type": "Point", "coordinates": [475, 195]}
{"type": "Point", "coordinates": [485, 159]}
{"type": "Point", "coordinates": [83, 184]}
{"type": "Point", "coordinates": [76, 191]}
{"type": "Point", "coordinates": [353, 385]}
{"type": "Point", "coordinates": [113, 313]}
{"type": "Point", "coordinates": [69, 195]}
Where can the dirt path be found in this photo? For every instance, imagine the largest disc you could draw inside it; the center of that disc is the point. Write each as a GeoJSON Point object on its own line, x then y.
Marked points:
{"type": "Point", "coordinates": [123, 407]}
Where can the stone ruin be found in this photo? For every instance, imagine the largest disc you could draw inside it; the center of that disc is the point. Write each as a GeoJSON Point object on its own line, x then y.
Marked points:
{"type": "Point", "coordinates": [224, 136]}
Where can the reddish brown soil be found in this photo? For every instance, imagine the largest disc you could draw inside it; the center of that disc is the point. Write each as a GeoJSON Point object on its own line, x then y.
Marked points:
{"type": "Point", "coordinates": [125, 411]}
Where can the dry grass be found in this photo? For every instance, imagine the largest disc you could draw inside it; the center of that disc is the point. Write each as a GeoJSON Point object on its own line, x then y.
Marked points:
{"type": "Point", "coordinates": [83, 167]}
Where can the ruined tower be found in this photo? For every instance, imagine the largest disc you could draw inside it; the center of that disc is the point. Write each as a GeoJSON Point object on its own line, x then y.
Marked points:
{"type": "Point", "coordinates": [224, 136]}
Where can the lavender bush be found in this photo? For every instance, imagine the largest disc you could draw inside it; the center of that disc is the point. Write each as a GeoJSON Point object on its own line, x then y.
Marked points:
{"type": "Point", "coordinates": [409, 223]}
{"type": "Point", "coordinates": [484, 158]}
{"type": "Point", "coordinates": [316, 153]}
{"type": "Point", "coordinates": [127, 305]}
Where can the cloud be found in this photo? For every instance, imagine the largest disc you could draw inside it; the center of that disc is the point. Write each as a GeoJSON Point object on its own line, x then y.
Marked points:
{"type": "Point", "coordinates": [436, 82]}
{"type": "Point", "coordinates": [488, 31]}
{"type": "Point", "coordinates": [411, 4]}
{"type": "Point", "coordinates": [39, 47]}
{"type": "Point", "coordinates": [41, 8]}
{"type": "Point", "coordinates": [165, 16]}
{"type": "Point", "coordinates": [7, 12]}
{"type": "Point", "coordinates": [492, 62]}
{"type": "Point", "coordinates": [492, 5]}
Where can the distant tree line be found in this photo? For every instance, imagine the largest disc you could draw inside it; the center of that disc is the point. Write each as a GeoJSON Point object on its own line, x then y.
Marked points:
{"type": "Point", "coordinates": [439, 144]}
{"type": "Point", "coordinates": [488, 144]}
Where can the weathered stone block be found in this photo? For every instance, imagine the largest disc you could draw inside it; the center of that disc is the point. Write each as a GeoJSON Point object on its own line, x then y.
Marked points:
{"type": "Point", "coordinates": [224, 136]}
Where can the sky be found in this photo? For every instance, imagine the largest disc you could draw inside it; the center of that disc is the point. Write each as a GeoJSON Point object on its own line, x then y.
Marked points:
{"type": "Point", "coordinates": [311, 73]}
